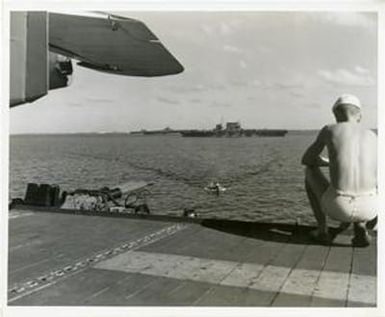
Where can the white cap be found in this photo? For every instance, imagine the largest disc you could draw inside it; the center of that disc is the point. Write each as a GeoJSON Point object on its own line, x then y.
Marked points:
{"type": "Point", "coordinates": [347, 99]}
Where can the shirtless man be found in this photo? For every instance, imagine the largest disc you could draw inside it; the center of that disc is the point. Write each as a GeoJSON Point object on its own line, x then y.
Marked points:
{"type": "Point", "coordinates": [351, 195]}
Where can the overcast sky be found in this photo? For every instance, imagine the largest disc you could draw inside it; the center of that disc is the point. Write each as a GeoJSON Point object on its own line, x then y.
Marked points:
{"type": "Point", "coordinates": [266, 70]}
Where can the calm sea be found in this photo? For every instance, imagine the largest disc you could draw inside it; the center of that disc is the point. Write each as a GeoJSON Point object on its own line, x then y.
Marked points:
{"type": "Point", "coordinates": [263, 175]}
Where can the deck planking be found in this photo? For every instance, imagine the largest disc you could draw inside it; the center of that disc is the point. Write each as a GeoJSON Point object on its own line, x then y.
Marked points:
{"type": "Point", "coordinates": [253, 266]}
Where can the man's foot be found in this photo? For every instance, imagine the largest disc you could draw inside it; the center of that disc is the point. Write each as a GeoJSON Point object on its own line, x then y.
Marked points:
{"type": "Point", "coordinates": [361, 235]}
{"type": "Point", "coordinates": [321, 237]}
{"type": "Point", "coordinates": [372, 224]}
{"type": "Point", "coordinates": [362, 241]}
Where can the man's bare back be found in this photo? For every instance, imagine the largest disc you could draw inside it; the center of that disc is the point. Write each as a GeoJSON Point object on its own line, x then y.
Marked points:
{"type": "Point", "coordinates": [352, 153]}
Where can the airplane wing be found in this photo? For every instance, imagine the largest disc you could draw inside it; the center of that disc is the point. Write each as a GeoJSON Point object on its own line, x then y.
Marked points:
{"type": "Point", "coordinates": [43, 44]}
{"type": "Point", "coordinates": [111, 44]}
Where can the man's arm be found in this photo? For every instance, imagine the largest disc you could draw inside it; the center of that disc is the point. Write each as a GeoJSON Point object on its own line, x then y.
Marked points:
{"type": "Point", "coordinates": [312, 155]}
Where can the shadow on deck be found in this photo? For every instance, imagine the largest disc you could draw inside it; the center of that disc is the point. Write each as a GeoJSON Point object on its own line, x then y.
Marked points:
{"type": "Point", "coordinates": [277, 232]}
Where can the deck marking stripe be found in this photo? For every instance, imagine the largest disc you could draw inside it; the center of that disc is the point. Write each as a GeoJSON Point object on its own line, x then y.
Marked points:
{"type": "Point", "coordinates": [28, 287]}
{"type": "Point", "coordinates": [230, 273]}
{"type": "Point", "coordinates": [361, 289]}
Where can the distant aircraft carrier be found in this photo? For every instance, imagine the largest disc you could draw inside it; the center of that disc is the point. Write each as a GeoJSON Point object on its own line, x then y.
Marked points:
{"type": "Point", "coordinates": [232, 129]}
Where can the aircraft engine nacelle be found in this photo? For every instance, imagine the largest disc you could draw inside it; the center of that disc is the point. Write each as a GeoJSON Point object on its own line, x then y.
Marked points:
{"type": "Point", "coordinates": [60, 70]}
{"type": "Point", "coordinates": [34, 69]}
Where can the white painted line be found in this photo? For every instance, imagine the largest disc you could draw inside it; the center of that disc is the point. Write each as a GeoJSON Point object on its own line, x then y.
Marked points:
{"type": "Point", "coordinates": [246, 275]}
{"type": "Point", "coordinates": [271, 278]}
{"type": "Point", "coordinates": [301, 282]}
{"type": "Point", "coordinates": [333, 285]}
{"type": "Point", "coordinates": [243, 274]}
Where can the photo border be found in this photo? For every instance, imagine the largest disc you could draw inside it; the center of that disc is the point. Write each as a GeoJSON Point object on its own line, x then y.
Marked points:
{"type": "Point", "coordinates": [275, 5]}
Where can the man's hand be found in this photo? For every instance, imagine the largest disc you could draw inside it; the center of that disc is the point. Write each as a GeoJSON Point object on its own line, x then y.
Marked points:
{"type": "Point", "coordinates": [322, 161]}
{"type": "Point", "coordinates": [318, 161]}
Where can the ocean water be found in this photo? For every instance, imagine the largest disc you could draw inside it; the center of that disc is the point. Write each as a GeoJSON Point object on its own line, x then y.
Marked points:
{"type": "Point", "coordinates": [264, 176]}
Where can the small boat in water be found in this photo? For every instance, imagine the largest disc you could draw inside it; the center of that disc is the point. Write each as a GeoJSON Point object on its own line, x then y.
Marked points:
{"type": "Point", "coordinates": [215, 187]}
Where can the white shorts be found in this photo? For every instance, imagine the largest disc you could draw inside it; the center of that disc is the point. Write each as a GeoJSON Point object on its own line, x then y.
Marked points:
{"type": "Point", "coordinates": [347, 207]}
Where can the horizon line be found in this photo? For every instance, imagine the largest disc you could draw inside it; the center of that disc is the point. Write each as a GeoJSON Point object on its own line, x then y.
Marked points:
{"type": "Point", "coordinates": [129, 132]}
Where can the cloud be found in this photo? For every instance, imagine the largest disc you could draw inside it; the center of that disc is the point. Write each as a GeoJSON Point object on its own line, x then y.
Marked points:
{"type": "Point", "coordinates": [283, 85]}
{"type": "Point", "coordinates": [207, 29]}
{"type": "Point", "coordinates": [74, 104]}
{"type": "Point", "coordinates": [99, 100]}
{"type": "Point", "coordinates": [352, 19]}
{"type": "Point", "coordinates": [195, 100]}
{"type": "Point", "coordinates": [262, 49]}
{"type": "Point", "coordinates": [226, 28]}
{"type": "Point", "coordinates": [232, 49]}
{"type": "Point", "coordinates": [349, 19]}
{"type": "Point", "coordinates": [243, 64]}
{"type": "Point", "coordinates": [238, 83]}
{"type": "Point", "coordinates": [361, 70]}
{"type": "Point", "coordinates": [297, 94]}
{"type": "Point", "coordinates": [217, 104]}
{"type": "Point", "coordinates": [183, 89]}
{"type": "Point", "coordinates": [168, 101]}
{"type": "Point", "coordinates": [277, 84]}
{"type": "Point", "coordinates": [315, 105]}
{"type": "Point", "coordinates": [358, 77]}
{"type": "Point", "coordinates": [256, 83]}
{"type": "Point", "coordinates": [217, 86]}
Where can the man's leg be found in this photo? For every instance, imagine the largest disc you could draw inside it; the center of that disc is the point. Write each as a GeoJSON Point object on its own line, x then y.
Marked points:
{"type": "Point", "coordinates": [316, 184]}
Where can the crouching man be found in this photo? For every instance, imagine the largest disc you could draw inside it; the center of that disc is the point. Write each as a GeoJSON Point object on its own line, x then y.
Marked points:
{"type": "Point", "coordinates": [351, 194]}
